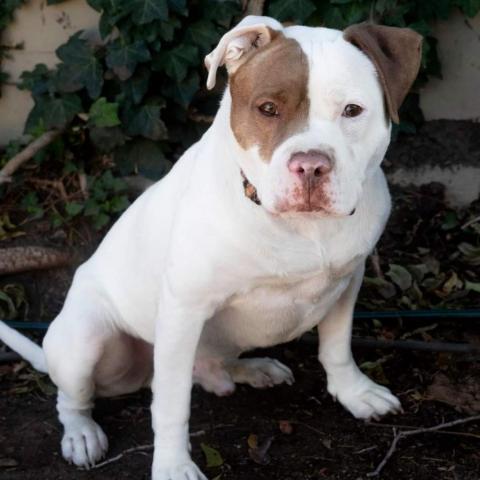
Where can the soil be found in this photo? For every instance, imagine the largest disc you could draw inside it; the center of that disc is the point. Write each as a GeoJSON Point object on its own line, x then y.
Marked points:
{"type": "Point", "coordinates": [444, 143]}
{"type": "Point", "coordinates": [325, 442]}
{"type": "Point", "coordinates": [312, 437]}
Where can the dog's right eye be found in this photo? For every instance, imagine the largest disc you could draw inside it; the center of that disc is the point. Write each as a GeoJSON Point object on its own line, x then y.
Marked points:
{"type": "Point", "coordinates": [269, 109]}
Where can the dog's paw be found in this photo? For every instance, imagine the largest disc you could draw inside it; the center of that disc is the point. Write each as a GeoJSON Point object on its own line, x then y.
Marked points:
{"type": "Point", "coordinates": [184, 471]}
{"type": "Point", "coordinates": [365, 399]}
{"type": "Point", "coordinates": [213, 378]}
{"type": "Point", "coordinates": [84, 443]}
{"type": "Point", "coordinates": [260, 372]}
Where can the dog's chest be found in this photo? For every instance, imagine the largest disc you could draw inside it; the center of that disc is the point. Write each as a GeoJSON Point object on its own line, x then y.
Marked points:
{"type": "Point", "coordinates": [277, 311]}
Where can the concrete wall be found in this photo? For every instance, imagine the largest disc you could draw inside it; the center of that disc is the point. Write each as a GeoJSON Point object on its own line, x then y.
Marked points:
{"type": "Point", "coordinates": [43, 28]}
{"type": "Point", "coordinates": [457, 95]}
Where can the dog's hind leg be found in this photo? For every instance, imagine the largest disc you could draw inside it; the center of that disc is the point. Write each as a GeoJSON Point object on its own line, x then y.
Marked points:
{"type": "Point", "coordinates": [73, 347]}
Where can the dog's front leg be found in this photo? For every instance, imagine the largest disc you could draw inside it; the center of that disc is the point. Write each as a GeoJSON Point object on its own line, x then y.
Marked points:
{"type": "Point", "coordinates": [177, 333]}
{"type": "Point", "coordinates": [354, 390]}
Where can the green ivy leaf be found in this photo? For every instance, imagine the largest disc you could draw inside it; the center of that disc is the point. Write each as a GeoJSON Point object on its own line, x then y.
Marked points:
{"type": "Point", "coordinates": [469, 7]}
{"type": "Point", "coordinates": [118, 204]}
{"type": "Point", "coordinates": [122, 58]}
{"type": "Point", "coordinates": [167, 29]}
{"type": "Point", "coordinates": [60, 111]}
{"type": "Point", "coordinates": [298, 10]}
{"type": "Point", "coordinates": [137, 85]}
{"type": "Point", "coordinates": [106, 139]}
{"type": "Point", "coordinates": [38, 81]}
{"type": "Point", "coordinates": [145, 11]}
{"type": "Point", "coordinates": [146, 122]}
{"type": "Point", "coordinates": [221, 12]}
{"type": "Point", "coordinates": [179, 6]}
{"type": "Point", "coordinates": [100, 220]}
{"type": "Point", "coordinates": [80, 67]}
{"type": "Point", "coordinates": [97, 5]}
{"type": "Point", "coordinates": [142, 156]}
{"type": "Point", "coordinates": [175, 63]}
{"type": "Point", "coordinates": [203, 34]}
{"type": "Point", "coordinates": [73, 208]}
{"type": "Point", "coordinates": [183, 92]}
{"type": "Point", "coordinates": [103, 114]}
{"type": "Point", "coordinates": [53, 112]}
{"type": "Point", "coordinates": [356, 13]}
{"type": "Point", "coordinates": [334, 18]}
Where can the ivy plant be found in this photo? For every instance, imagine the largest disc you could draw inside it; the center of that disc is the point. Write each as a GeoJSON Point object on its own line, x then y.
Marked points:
{"type": "Point", "coordinates": [135, 95]}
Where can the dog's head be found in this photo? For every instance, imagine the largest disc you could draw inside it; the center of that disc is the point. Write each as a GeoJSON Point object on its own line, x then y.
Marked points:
{"type": "Point", "coordinates": [312, 107]}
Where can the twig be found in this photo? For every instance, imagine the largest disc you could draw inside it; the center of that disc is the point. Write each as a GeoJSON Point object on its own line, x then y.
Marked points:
{"type": "Point", "coordinates": [254, 7]}
{"type": "Point", "coordinates": [140, 448]}
{"type": "Point", "coordinates": [82, 180]}
{"type": "Point", "coordinates": [391, 425]}
{"type": "Point", "coordinates": [26, 154]}
{"type": "Point", "coordinates": [365, 450]}
{"type": "Point", "coordinates": [470, 222]}
{"type": "Point", "coordinates": [403, 434]}
{"type": "Point", "coordinates": [45, 183]}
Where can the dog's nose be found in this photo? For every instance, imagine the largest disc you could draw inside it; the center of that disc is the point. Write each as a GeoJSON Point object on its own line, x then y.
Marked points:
{"type": "Point", "coordinates": [310, 164]}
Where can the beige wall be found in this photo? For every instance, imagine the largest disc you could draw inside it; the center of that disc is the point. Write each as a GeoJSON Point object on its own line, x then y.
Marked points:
{"type": "Point", "coordinates": [41, 29]}
{"type": "Point", "coordinates": [457, 95]}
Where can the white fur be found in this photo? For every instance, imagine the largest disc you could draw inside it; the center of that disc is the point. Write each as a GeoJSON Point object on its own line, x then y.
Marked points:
{"type": "Point", "coordinates": [200, 272]}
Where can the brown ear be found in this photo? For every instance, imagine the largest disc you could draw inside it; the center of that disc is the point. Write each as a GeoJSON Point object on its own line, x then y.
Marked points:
{"type": "Point", "coordinates": [396, 54]}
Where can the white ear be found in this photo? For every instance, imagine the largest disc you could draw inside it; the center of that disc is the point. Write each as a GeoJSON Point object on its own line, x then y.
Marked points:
{"type": "Point", "coordinates": [251, 32]}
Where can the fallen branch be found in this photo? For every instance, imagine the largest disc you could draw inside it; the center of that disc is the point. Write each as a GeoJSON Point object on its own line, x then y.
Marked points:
{"type": "Point", "coordinates": [408, 433]}
{"type": "Point", "coordinates": [26, 154]}
{"type": "Point", "coordinates": [24, 259]}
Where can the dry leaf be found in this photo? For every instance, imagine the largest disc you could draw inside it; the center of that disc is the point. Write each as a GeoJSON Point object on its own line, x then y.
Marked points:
{"type": "Point", "coordinates": [285, 427]}
{"type": "Point", "coordinates": [464, 397]}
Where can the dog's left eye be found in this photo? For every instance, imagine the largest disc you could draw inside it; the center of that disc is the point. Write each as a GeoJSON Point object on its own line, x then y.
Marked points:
{"type": "Point", "coordinates": [269, 109]}
{"type": "Point", "coordinates": [352, 110]}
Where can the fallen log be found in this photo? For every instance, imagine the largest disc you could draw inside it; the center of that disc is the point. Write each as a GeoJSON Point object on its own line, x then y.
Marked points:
{"type": "Point", "coordinates": [25, 259]}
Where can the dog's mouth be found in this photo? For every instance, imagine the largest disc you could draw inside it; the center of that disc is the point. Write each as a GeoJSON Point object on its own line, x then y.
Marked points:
{"type": "Point", "coordinates": [250, 192]}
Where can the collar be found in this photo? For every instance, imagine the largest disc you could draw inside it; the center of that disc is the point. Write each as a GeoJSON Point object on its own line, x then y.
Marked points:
{"type": "Point", "coordinates": [249, 190]}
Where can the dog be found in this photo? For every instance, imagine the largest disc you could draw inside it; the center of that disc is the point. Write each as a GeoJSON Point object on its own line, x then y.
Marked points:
{"type": "Point", "coordinates": [258, 234]}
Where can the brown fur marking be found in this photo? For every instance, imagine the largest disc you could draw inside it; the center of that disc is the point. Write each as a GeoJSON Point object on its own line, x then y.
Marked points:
{"type": "Point", "coordinates": [278, 73]}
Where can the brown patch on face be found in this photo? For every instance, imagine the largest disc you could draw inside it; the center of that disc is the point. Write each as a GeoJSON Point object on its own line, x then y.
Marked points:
{"type": "Point", "coordinates": [277, 73]}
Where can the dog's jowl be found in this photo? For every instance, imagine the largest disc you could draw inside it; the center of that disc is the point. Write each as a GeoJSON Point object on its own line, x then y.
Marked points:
{"type": "Point", "coordinates": [259, 233]}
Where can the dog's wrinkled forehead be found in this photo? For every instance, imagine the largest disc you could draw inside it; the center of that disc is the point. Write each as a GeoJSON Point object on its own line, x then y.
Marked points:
{"type": "Point", "coordinates": [275, 77]}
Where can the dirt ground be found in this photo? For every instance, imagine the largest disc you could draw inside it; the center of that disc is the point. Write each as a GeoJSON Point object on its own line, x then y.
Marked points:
{"type": "Point", "coordinates": [310, 437]}
{"type": "Point", "coordinates": [325, 441]}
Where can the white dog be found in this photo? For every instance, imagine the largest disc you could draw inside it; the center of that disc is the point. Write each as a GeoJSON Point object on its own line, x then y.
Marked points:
{"type": "Point", "coordinates": [259, 233]}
